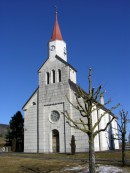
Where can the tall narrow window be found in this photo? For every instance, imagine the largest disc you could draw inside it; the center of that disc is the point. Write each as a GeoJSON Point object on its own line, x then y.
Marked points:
{"type": "Point", "coordinates": [59, 75]}
{"type": "Point", "coordinates": [53, 73]}
{"type": "Point", "coordinates": [47, 77]}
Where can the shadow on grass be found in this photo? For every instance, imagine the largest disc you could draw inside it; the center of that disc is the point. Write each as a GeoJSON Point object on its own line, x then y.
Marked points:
{"type": "Point", "coordinates": [34, 170]}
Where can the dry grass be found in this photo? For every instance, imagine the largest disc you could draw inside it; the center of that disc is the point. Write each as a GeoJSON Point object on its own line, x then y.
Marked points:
{"type": "Point", "coordinates": [23, 165]}
{"type": "Point", "coordinates": [53, 163]}
{"type": "Point", "coordinates": [114, 155]}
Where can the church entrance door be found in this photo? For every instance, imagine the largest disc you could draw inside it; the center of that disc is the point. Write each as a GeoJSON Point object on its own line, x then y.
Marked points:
{"type": "Point", "coordinates": [55, 141]}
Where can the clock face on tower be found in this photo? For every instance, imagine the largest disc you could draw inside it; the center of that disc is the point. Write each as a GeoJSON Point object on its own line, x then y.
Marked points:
{"type": "Point", "coordinates": [52, 48]}
{"type": "Point", "coordinates": [55, 116]}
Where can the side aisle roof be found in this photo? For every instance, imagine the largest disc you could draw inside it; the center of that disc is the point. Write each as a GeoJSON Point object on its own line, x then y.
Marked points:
{"type": "Point", "coordinates": [75, 88]}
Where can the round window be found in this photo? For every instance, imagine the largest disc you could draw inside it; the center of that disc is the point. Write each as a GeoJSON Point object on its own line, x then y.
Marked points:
{"type": "Point", "coordinates": [55, 116]}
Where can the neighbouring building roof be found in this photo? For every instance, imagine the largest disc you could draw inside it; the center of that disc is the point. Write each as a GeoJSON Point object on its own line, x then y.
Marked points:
{"type": "Point", "coordinates": [3, 129]}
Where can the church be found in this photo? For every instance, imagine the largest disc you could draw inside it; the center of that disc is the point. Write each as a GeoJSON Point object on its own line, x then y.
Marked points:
{"type": "Point", "coordinates": [45, 127]}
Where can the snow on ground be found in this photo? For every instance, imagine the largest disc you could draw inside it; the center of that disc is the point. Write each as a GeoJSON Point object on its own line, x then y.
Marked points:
{"type": "Point", "coordinates": [99, 169]}
{"type": "Point", "coordinates": [109, 169]}
{"type": "Point", "coordinates": [76, 168]}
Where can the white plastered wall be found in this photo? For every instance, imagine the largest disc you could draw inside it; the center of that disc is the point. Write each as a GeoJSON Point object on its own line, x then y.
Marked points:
{"type": "Point", "coordinates": [58, 47]}
{"type": "Point", "coordinates": [81, 138]}
{"type": "Point", "coordinates": [30, 125]}
{"type": "Point", "coordinates": [72, 75]}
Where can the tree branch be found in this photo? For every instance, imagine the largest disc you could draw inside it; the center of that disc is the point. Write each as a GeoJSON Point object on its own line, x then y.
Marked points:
{"type": "Point", "coordinates": [75, 123]}
{"type": "Point", "coordinates": [98, 131]}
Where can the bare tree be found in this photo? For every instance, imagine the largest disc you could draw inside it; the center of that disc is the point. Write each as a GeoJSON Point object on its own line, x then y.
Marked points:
{"type": "Point", "coordinates": [122, 121]}
{"type": "Point", "coordinates": [129, 138]}
{"type": "Point", "coordinates": [90, 102]}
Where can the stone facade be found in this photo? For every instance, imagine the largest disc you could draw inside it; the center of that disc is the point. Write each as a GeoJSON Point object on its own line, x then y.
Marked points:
{"type": "Point", "coordinates": [45, 127]}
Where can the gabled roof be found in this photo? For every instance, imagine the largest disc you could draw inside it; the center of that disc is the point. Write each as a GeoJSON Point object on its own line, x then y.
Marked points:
{"type": "Point", "coordinates": [42, 64]}
{"type": "Point", "coordinates": [30, 97]}
{"type": "Point", "coordinates": [66, 63]}
{"type": "Point", "coordinates": [60, 59]}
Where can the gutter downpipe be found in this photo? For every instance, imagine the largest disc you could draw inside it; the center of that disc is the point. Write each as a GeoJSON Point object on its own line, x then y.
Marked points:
{"type": "Point", "coordinates": [64, 128]}
{"type": "Point", "coordinates": [38, 121]}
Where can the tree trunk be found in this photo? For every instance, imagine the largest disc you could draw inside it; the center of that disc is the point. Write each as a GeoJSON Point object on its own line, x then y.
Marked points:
{"type": "Point", "coordinates": [13, 145]}
{"type": "Point", "coordinates": [123, 149]}
{"type": "Point", "coordinates": [91, 155]}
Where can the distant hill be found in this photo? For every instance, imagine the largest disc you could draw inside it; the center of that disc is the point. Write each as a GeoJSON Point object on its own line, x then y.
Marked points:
{"type": "Point", "coordinates": [3, 129]}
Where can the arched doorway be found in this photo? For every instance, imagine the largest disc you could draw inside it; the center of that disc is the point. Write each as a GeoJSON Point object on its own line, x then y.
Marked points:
{"type": "Point", "coordinates": [55, 141]}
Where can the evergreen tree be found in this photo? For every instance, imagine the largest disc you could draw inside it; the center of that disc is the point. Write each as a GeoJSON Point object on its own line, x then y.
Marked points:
{"type": "Point", "coordinates": [15, 136]}
{"type": "Point", "coordinates": [73, 145]}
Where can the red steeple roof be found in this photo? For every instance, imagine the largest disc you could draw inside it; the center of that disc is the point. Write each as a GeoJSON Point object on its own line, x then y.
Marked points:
{"type": "Point", "coordinates": [56, 35]}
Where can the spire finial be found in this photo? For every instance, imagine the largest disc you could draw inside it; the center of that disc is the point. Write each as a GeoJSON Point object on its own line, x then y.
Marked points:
{"type": "Point", "coordinates": [56, 9]}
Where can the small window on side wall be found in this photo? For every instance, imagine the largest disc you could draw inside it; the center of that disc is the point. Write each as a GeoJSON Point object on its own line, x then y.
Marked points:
{"type": "Point", "coordinates": [47, 77]}
{"type": "Point", "coordinates": [59, 75]}
{"type": "Point", "coordinates": [53, 74]}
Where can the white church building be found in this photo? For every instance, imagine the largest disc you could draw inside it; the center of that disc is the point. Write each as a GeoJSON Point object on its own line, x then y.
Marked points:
{"type": "Point", "coordinates": [45, 127]}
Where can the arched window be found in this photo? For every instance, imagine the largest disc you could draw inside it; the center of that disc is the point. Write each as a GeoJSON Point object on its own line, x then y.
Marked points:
{"type": "Point", "coordinates": [47, 77]}
{"type": "Point", "coordinates": [59, 75]}
{"type": "Point", "coordinates": [53, 75]}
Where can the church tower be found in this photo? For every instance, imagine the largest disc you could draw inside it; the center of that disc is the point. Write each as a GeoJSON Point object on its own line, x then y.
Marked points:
{"type": "Point", "coordinates": [54, 77]}
{"type": "Point", "coordinates": [57, 46]}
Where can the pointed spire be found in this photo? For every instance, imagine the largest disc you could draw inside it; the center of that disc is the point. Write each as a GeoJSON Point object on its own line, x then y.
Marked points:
{"type": "Point", "coordinates": [56, 35]}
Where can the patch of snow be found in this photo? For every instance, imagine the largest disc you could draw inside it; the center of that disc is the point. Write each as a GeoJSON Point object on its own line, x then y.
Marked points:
{"type": "Point", "coordinates": [109, 169]}
{"type": "Point", "coordinates": [99, 169]}
{"type": "Point", "coordinates": [73, 168]}
{"type": "Point", "coordinates": [105, 169]}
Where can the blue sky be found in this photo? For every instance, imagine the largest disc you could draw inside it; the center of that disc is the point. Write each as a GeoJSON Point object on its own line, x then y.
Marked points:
{"type": "Point", "coordinates": [97, 34]}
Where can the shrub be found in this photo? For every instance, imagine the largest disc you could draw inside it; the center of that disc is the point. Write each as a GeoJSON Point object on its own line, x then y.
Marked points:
{"type": "Point", "coordinates": [73, 145]}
